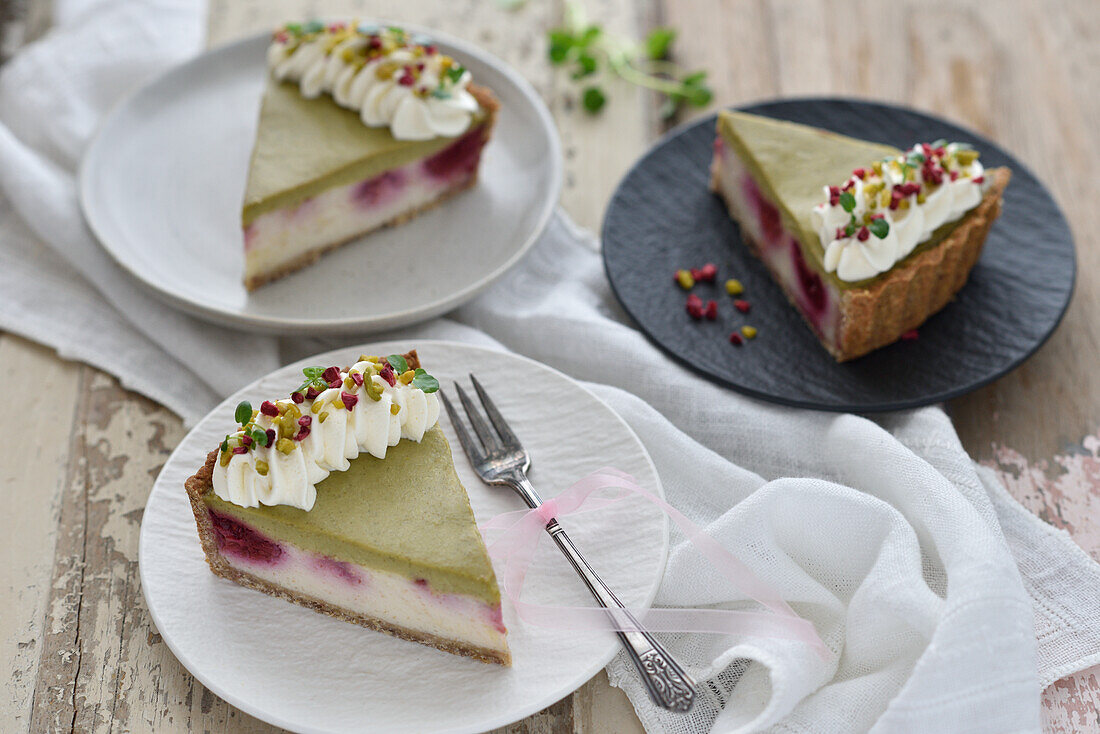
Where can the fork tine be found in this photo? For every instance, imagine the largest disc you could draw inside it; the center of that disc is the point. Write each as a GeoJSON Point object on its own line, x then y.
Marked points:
{"type": "Point", "coordinates": [484, 431]}
{"type": "Point", "coordinates": [511, 442]}
{"type": "Point", "coordinates": [472, 447]}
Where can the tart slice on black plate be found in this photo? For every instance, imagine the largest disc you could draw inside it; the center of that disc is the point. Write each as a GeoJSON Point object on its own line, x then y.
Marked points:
{"type": "Point", "coordinates": [867, 241]}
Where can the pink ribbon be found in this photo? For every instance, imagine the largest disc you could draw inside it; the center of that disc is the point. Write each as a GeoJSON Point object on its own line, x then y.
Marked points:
{"type": "Point", "coordinates": [521, 530]}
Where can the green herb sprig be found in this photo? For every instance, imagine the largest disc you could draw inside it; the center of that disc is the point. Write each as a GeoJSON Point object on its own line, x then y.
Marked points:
{"type": "Point", "coordinates": [587, 47]}
{"type": "Point", "coordinates": [313, 379]}
{"type": "Point", "coordinates": [424, 381]}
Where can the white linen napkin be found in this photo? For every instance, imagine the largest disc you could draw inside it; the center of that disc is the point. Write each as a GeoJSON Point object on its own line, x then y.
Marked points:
{"type": "Point", "coordinates": [949, 606]}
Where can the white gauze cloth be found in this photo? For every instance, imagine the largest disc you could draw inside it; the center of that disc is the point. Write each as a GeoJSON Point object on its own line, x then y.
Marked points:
{"type": "Point", "coordinates": [947, 605]}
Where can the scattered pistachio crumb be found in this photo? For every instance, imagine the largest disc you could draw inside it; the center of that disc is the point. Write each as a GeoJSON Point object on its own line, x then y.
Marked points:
{"type": "Point", "coordinates": [734, 287]}
{"type": "Point", "coordinates": [285, 445]}
{"type": "Point", "coordinates": [261, 467]}
{"type": "Point", "coordinates": [748, 331]}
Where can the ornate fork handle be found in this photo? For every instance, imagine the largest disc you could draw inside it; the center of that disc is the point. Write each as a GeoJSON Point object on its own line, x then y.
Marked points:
{"type": "Point", "coordinates": [666, 681]}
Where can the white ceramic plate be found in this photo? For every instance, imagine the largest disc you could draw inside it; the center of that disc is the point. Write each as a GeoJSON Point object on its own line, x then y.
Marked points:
{"type": "Point", "coordinates": [307, 672]}
{"type": "Point", "coordinates": [161, 187]}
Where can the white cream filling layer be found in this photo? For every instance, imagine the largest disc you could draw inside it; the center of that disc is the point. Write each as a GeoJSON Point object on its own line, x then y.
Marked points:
{"type": "Point", "coordinates": [279, 237]}
{"type": "Point", "coordinates": [382, 595]}
{"type": "Point", "coordinates": [777, 255]}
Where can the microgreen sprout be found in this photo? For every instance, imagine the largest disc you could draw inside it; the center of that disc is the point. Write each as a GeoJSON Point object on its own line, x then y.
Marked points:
{"type": "Point", "coordinates": [398, 363]}
{"type": "Point", "coordinates": [586, 48]}
{"type": "Point", "coordinates": [424, 382]}
{"type": "Point", "coordinates": [879, 228]}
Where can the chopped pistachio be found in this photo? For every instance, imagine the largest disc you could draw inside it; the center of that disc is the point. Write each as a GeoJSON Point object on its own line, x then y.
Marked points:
{"type": "Point", "coordinates": [407, 376]}
{"type": "Point", "coordinates": [261, 467]}
{"type": "Point", "coordinates": [285, 445]}
{"type": "Point", "coordinates": [395, 409]}
{"type": "Point", "coordinates": [349, 384]}
{"type": "Point", "coordinates": [922, 197]}
{"type": "Point", "coordinates": [225, 458]}
{"type": "Point", "coordinates": [374, 390]}
{"type": "Point", "coordinates": [323, 417]}
{"type": "Point", "coordinates": [966, 157]}
{"type": "Point", "coordinates": [317, 405]}
{"type": "Point", "coordinates": [294, 412]}
{"type": "Point", "coordinates": [386, 70]}
{"type": "Point", "coordinates": [338, 403]}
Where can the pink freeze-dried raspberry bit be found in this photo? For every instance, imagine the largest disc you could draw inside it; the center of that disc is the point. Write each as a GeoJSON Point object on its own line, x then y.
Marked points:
{"type": "Point", "coordinates": [736, 340]}
{"type": "Point", "coordinates": [297, 397]}
{"type": "Point", "coordinates": [357, 378]}
{"type": "Point", "coordinates": [305, 421]}
{"type": "Point", "coordinates": [742, 306]}
{"type": "Point", "coordinates": [270, 436]}
{"type": "Point", "coordinates": [694, 306]}
{"type": "Point", "coordinates": [246, 440]}
{"type": "Point", "coordinates": [387, 375]}
{"type": "Point", "coordinates": [312, 393]}
{"type": "Point", "coordinates": [302, 433]}
{"type": "Point", "coordinates": [330, 374]}
{"type": "Point", "coordinates": [240, 450]}
{"type": "Point", "coordinates": [269, 409]}
{"type": "Point", "coordinates": [708, 273]}
{"type": "Point", "coordinates": [349, 400]}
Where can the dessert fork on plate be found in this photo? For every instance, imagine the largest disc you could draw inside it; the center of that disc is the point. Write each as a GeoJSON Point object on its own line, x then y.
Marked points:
{"type": "Point", "coordinates": [499, 458]}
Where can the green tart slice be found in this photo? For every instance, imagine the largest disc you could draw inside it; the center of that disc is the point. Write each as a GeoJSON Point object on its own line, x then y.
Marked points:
{"type": "Point", "coordinates": [394, 131]}
{"type": "Point", "coordinates": [867, 241]}
{"type": "Point", "coordinates": [390, 543]}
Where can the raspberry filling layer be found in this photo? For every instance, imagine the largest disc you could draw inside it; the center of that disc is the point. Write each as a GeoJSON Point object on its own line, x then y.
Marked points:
{"type": "Point", "coordinates": [780, 250]}
{"type": "Point", "coordinates": [238, 540]}
{"type": "Point", "coordinates": [277, 238]}
{"type": "Point", "coordinates": [408, 603]}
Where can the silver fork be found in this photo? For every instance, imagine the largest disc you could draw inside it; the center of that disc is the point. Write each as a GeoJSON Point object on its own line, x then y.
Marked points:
{"type": "Point", "coordinates": [499, 458]}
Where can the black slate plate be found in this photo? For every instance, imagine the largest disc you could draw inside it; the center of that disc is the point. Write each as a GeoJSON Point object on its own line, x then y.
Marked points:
{"type": "Point", "coordinates": [663, 218]}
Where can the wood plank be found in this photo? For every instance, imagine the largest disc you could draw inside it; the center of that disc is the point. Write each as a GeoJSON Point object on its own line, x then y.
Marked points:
{"type": "Point", "coordinates": [33, 463]}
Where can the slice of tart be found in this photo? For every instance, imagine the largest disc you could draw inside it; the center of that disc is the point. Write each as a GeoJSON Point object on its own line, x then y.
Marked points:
{"type": "Point", "coordinates": [360, 128]}
{"type": "Point", "coordinates": [344, 498]}
{"type": "Point", "coordinates": [867, 241]}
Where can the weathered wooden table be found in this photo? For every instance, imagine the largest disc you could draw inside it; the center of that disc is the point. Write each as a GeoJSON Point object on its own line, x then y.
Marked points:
{"type": "Point", "coordinates": [79, 649]}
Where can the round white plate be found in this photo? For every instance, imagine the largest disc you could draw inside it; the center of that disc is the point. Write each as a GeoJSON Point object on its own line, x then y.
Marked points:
{"type": "Point", "coordinates": [162, 182]}
{"type": "Point", "coordinates": [307, 672]}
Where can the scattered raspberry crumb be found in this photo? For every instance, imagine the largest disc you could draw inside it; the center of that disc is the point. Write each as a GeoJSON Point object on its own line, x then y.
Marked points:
{"type": "Point", "coordinates": [742, 306]}
{"type": "Point", "coordinates": [910, 336]}
{"type": "Point", "coordinates": [736, 340]}
{"type": "Point", "coordinates": [712, 310]}
{"type": "Point", "coordinates": [695, 307]}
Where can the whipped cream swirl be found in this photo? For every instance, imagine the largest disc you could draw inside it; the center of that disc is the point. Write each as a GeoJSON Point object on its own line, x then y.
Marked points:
{"type": "Point", "coordinates": [912, 194]}
{"type": "Point", "coordinates": [390, 78]}
{"type": "Point", "coordinates": [322, 436]}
